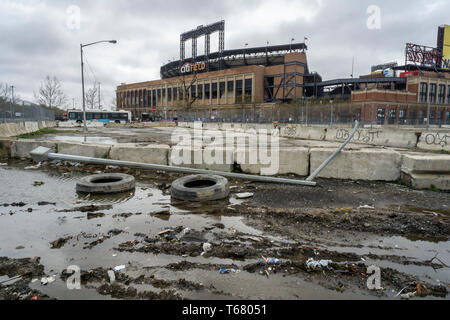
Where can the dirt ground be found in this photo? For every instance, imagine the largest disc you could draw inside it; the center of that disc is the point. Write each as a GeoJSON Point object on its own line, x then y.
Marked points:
{"type": "Point", "coordinates": [350, 224]}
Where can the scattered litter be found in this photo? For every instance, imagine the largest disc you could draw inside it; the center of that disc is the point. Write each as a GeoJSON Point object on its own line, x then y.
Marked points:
{"type": "Point", "coordinates": [114, 255]}
{"type": "Point", "coordinates": [38, 183]}
{"type": "Point", "coordinates": [272, 260]}
{"type": "Point", "coordinates": [229, 270]}
{"type": "Point", "coordinates": [313, 264]}
{"type": "Point", "coordinates": [207, 247]}
{"type": "Point", "coordinates": [409, 295]}
{"type": "Point", "coordinates": [165, 232]}
{"type": "Point", "coordinates": [244, 195]}
{"type": "Point", "coordinates": [366, 207]}
{"type": "Point", "coordinates": [34, 167]}
{"type": "Point", "coordinates": [3, 164]}
{"type": "Point", "coordinates": [34, 298]}
{"type": "Point", "coordinates": [48, 280]}
{"type": "Point", "coordinates": [112, 276]}
{"type": "Point", "coordinates": [119, 268]}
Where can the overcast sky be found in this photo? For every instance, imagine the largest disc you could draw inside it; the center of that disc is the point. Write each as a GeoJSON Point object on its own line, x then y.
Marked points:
{"type": "Point", "coordinates": [40, 37]}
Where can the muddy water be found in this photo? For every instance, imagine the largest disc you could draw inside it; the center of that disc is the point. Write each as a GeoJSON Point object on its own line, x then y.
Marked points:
{"type": "Point", "coordinates": [26, 234]}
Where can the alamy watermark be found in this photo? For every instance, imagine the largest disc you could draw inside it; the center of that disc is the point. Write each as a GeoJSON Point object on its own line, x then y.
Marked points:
{"type": "Point", "coordinates": [374, 19]}
{"type": "Point", "coordinates": [207, 149]}
{"type": "Point", "coordinates": [73, 18]}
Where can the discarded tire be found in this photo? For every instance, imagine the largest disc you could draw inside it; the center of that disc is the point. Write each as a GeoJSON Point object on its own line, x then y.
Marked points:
{"type": "Point", "coordinates": [106, 183]}
{"type": "Point", "coordinates": [200, 188]}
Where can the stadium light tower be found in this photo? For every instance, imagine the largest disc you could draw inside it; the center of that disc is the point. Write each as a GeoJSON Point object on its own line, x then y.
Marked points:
{"type": "Point", "coordinates": [82, 76]}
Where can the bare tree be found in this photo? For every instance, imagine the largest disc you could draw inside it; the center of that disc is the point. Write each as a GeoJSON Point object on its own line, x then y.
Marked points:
{"type": "Point", "coordinates": [91, 97]}
{"type": "Point", "coordinates": [186, 86]}
{"type": "Point", "coordinates": [50, 93]}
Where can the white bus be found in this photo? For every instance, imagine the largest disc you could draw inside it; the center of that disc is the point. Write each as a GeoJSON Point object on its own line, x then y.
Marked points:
{"type": "Point", "coordinates": [76, 116]}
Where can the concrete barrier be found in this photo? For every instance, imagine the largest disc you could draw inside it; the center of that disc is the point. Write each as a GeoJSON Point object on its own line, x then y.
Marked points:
{"type": "Point", "coordinates": [376, 137]}
{"type": "Point", "coordinates": [5, 147]}
{"type": "Point", "coordinates": [278, 161]}
{"type": "Point", "coordinates": [199, 158]}
{"type": "Point", "coordinates": [154, 154]}
{"type": "Point", "coordinates": [435, 141]}
{"type": "Point", "coordinates": [20, 128]}
{"type": "Point", "coordinates": [84, 149]}
{"type": "Point", "coordinates": [427, 181]}
{"type": "Point", "coordinates": [22, 147]}
{"type": "Point", "coordinates": [426, 163]}
{"type": "Point", "coordinates": [302, 132]}
{"type": "Point", "coordinates": [422, 171]}
{"type": "Point", "coordinates": [364, 164]}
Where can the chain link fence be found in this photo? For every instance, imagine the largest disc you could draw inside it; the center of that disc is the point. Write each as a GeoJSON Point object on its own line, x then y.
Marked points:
{"type": "Point", "coordinates": [24, 112]}
{"type": "Point", "coordinates": [326, 114]}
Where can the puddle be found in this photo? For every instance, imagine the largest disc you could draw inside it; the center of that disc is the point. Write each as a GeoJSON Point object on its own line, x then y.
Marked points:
{"type": "Point", "coordinates": [34, 230]}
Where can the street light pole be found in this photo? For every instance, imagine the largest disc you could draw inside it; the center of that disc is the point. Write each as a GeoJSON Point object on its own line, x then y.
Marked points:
{"type": "Point", "coordinates": [82, 76]}
{"type": "Point", "coordinates": [82, 89]}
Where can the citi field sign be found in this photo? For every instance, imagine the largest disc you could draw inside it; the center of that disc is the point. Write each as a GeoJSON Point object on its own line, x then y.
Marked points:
{"type": "Point", "coordinates": [188, 67]}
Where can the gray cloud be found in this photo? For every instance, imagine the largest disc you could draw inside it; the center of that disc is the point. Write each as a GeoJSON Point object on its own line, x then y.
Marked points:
{"type": "Point", "coordinates": [35, 40]}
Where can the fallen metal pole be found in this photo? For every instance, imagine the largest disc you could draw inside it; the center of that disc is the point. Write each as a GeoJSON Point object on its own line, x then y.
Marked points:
{"type": "Point", "coordinates": [326, 162]}
{"type": "Point", "coordinates": [42, 154]}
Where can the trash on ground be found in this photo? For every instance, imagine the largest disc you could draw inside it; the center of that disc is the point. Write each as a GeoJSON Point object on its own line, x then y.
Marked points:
{"type": "Point", "coordinates": [244, 195]}
{"type": "Point", "coordinates": [112, 276]}
{"type": "Point", "coordinates": [366, 207]}
{"type": "Point", "coordinates": [119, 268]}
{"type": "Point", "coordinates": [272, 260]}
{"type": "Point", "coordinates": [48, 280]}
{"type": "Point", "coordinates": [3, 164]}
{"type": "Point", "coordinates": [34, 167]}
{"type": "Point", "coordinates": [38, 183]}
{"type": "Point", "coordinates": [408, 295]}
{"type": "Point", "coordinates": [314, 264]}
{"type": "Point", "coordinates": [229, 270]}
{"type": "Point", "coordinates": [207, 247]}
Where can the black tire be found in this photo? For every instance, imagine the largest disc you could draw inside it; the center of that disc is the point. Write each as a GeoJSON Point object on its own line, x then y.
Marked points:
{"type": "Point", "coordinates": [200, 188]}
{"type": "Point", "coordinates": [106, 183]}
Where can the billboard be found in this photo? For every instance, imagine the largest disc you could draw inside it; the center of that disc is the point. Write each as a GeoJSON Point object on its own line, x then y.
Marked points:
{"type": "Point", "coordinates": [446, 48]}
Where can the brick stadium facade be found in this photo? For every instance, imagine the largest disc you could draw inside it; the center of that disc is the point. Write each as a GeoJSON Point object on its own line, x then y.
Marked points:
{"type": "Point", "coordinates": [409, 105]}
{"type": "Point", "coordinates": [249, 84]}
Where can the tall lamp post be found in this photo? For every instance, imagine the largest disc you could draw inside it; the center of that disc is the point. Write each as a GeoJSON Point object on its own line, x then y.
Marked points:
{"type": "Point", "coordinates": [82, 76]}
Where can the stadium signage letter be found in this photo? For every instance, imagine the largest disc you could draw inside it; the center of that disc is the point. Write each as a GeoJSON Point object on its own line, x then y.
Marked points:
{"type": "Point", "coordinates": [187, 67]}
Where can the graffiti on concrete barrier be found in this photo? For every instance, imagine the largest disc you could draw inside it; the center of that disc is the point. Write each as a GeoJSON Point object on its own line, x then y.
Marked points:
{"type": "Point", "coordinates": [290, 131]}
{"type": "Point", "coordinates": [365, 136]}
{"type": "Point", "coordinates": [437, 139]}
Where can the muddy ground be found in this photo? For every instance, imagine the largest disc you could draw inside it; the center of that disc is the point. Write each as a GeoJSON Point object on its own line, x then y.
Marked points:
{"type": "Point", "coordinates": [159, 242]}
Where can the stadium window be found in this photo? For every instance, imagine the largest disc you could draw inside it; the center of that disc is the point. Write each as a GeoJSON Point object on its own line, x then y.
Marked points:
{"type": "Point", "coordinates": [423, 92]}
{"type": "Point", "coordinates": [193, 91]}
{"type": "Point", "coordinates": [207, 91]}
{"type": "Point", "coordinates": [222, 89]}
{"type": "Point", "coordinates": [164, 92]}
{"type": "Point", "coordinates": [441, 94]}
{"type": "Point", "coordinates": [159, 95]}
{"type": "Point", "coordinates": [154, 98]}
{"type": "Point", "coordinates": [149, 98]}
{"type": "Point", "coordinates": [448, 117]}
{"type": "Point", "coordinates": [180, 93]}
{"type": "Point", "coordinates": [175, 94]}
{"type": "Point", "coordinates": [200, 91]}
{"type": "Point", "coordinates": [432, 92]}
{"type": "Point", "coordinates": [230, 89]}
{"type": "Point", "coordinates": [248, 90]}
{"type": "Point", "coordinates": [169, 94]}
{"type": "Point", "coordinates": [238, 88]}
{"type": "Point", "coordinates": [214, 90]}
{"type": "Point", "coordinates": [448, 95]}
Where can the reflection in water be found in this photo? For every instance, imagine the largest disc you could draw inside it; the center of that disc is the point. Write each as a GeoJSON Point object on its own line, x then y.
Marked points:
{"type": "Point", "coordinates": [107, 198]}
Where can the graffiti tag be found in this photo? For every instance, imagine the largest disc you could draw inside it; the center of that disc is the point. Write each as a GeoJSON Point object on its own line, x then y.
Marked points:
{"type": "Point", "coordinates": [436, 139]}
{"type": "Point", "coordinates": [361, 136]}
